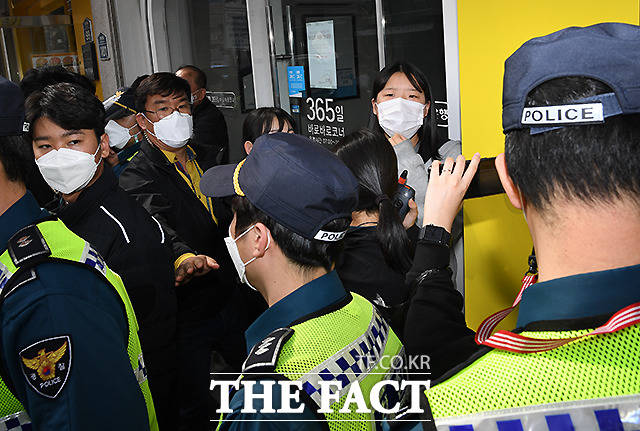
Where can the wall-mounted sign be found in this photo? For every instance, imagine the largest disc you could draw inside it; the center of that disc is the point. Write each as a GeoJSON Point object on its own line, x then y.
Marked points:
{"type": "Point", "coordinates": [87, 29]}
{"type": "Point", "coordinates": [68, 60]}
{"type": "Point", "coordinates": [441, 110]}
{"type": "Point", "coordinates": [326, 121]}
{"type": "Point", "coordinates": [295, 78]}
{"type": "Point", "coordinates": [223, 99]}
{"type": "Point", "coordinates": [322, 55]}
{"type": "Point", "coordinates": [103, 50]}
{"type": "Point", "coordinates": [89, 61]}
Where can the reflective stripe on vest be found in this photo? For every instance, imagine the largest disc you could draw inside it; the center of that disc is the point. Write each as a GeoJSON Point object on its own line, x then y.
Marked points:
{"type": "Point", "coordinates": [352, 363]}
{"type": "Point", "coordinates": [602, 367]}
{"type": "Point", "coordinates": [369, 340]}
{"type": "Point", "coordinates": [601, 414]}
{"type": "Point", "coordinates": [66, 245]}
{"type": "Point", "coordinates": [16, 422]}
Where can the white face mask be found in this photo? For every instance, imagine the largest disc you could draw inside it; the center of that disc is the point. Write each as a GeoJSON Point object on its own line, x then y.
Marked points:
{"type": "Point", "coordinates": [235, 255]}
{"type": "Point", "coordinates": [118, 135]}
{"type": "Point", "coordinates": [68, 170]}
{"type": "Point", "coordinates": [400, 116]}
{"type": "Point", "coordinates": [173, 130]}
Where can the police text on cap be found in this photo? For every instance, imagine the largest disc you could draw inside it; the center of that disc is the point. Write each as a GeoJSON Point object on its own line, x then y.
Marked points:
{"type": "Point", "coordinates": [329, 236]}
{"type": "Point", "coordinates": [563, 114]}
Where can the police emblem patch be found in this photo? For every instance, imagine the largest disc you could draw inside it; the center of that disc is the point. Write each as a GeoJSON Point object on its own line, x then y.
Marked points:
{"type": "Point", "coordinates": [46, 365]}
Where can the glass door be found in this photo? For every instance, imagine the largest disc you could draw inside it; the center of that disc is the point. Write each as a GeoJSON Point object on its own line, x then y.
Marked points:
{"type": "Point", "coordinates": [214, 36]}
{"type": "Point", "coordinates": [324, 56]}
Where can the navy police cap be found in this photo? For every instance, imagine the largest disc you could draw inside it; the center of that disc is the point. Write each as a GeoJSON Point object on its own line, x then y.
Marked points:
{"type": "Point", "coordinates": [11, 109]}
{"type": "Point", "coordinates": [300, 184]}
{"type": "Point", "coordinates": [608, 52]}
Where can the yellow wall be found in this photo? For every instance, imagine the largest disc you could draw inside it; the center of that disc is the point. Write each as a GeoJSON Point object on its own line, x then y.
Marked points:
{"type": "Point", "coordinates": [497, 241]}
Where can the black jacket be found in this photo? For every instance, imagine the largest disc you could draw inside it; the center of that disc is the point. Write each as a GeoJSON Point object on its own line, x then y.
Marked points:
{"type": "Point", "coordinates": [363, 270]}
{"type": "Point", "coordinates": [134, 246]}
{"type": "Point", "coordinates": [154, 182]}
{"type": "Point", "coordinates": [210, 137]}
{"type": "Point", "coordinates": [435, 325]}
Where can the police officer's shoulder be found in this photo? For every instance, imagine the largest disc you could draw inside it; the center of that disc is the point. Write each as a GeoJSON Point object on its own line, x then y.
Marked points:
{"type": "Point", "coordinates": [263, 357]}
{"type": "Point", "coordinates": [38, 275]}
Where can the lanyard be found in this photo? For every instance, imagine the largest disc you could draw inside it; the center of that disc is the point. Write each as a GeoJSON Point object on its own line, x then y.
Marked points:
{"type": "Point", "coordinates": [516, 343]}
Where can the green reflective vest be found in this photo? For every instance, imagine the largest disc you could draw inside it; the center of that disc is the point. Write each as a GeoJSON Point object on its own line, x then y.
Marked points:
{"type": "Point", "coordinates": [64, 244]}
{"type": "Point", "coordinates": [352, 343]}
{"type": "Point", "coordinates": [590, 384]}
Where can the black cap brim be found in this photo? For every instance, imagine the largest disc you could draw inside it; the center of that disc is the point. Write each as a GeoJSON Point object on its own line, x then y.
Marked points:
{"type": "Point", "coordinates": [217, 182]}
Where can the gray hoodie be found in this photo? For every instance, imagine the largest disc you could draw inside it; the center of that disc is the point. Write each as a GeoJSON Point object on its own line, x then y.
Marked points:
{"type": "Point", "coordinates": [410, 160]}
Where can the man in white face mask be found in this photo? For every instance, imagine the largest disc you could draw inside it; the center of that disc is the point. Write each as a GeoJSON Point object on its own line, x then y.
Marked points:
{"type": "Point", "coordinates": [124, 132]}
{"type": "Point", "coordinates": [70, 144]}
{"type": "Point", "coordinates": [164, 177]}
{"type": "Point", "coordinates": [66, 320]}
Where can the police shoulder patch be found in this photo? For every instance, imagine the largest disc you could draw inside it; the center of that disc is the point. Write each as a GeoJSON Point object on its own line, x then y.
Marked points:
{"type": "Point", "coordinates": [46, 365]}
{"type": "Point", "coordinates": [264, 355]}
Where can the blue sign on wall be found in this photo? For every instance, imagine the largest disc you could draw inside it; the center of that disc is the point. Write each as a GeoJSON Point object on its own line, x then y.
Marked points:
{"type": "Point", "coordinates": [295, 75]}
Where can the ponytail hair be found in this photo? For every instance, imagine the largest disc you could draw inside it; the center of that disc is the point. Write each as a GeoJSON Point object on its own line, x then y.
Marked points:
{"type": "Point", "coordinates": [373, 162]}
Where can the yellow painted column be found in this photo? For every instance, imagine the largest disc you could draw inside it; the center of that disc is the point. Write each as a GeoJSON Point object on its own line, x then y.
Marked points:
{"type": "Point", "coordinates": [497, 242]}
{"type": "Point", "coordinates": [81, 9]}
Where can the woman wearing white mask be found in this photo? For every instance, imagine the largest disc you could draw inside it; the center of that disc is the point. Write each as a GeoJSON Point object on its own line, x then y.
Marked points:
{"type": "Point", "coordinates": [124, 132]}
{"type": "Point", "coordinates": [401, 103]}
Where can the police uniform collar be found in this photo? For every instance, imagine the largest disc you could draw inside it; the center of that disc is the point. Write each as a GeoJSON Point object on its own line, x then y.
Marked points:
{"type": "Point", "coordinates": [580, 296]}
{"type": "Point", "coordinates": [22, 213]}
{"type": "Point", "coordinates": [307, 299]}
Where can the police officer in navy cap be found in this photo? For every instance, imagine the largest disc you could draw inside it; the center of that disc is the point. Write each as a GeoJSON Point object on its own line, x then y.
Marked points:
{"type": "Point", "coordinates": [571, 116]}
{"type": "Point", "coordinates": [292, 206]}
{"type": "Point", "coordinates": [70, 356]}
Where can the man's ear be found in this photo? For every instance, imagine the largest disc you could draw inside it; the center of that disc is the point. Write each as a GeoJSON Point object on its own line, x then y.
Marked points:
{"type": "Point", "coordinates": [141, 120]}
{"type": "Point", "coordinates": [260, 238]}
{"type": "Point", "coordinates": [374, 107]}
{"type": "Point", "coordinates": [509, 187]}
{"type": "Point", "coordinates": [248, 146]}
{"type": "Point", "coordinates": [104, 146]}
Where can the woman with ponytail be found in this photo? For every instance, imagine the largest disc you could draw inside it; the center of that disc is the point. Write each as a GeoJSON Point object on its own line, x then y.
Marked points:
{"type": "Point", "coordinates": [401, 106]}
{"type": "Point", "coordinates": [377, 252]}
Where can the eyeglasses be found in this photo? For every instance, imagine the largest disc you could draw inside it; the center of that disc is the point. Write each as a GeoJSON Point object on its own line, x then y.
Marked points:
{"type": "Point", "coordinates": [165, 111]}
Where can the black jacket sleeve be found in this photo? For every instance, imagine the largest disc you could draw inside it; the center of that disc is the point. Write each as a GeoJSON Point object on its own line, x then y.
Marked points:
{"type": "Point", "coordinates": [435, 325]}
{"type": "Point", "coordinates": [156, 204]}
